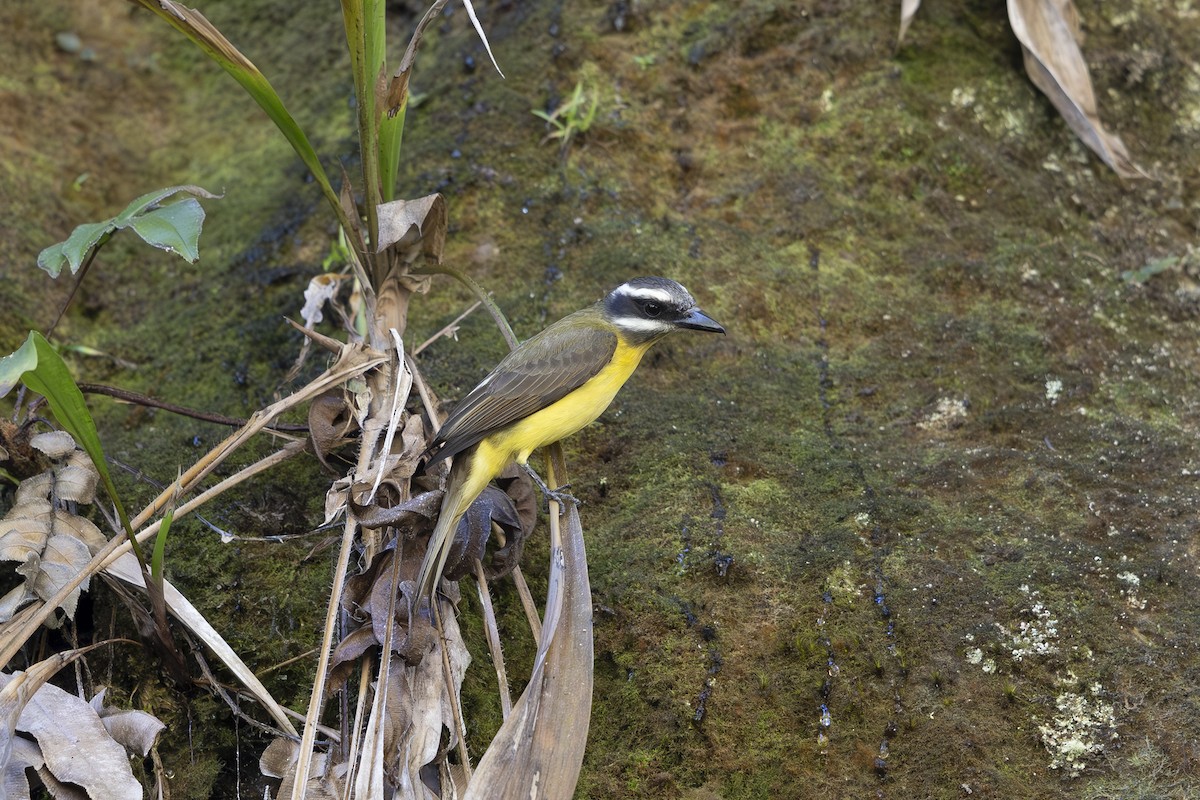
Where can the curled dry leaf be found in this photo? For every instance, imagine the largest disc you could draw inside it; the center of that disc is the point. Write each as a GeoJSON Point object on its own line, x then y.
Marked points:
{"type": "Point", "coordinates": [50, 544]}
{"type": "Point", "coordinates": [321, 289]}
{"type": "Point", "coordinates": [76, 480]}
{"type": "Point", "coordinates": [516, 484]}
{"type": "Point", "coordinates": [336, 499]}
{"type": "Point", "coordinates": [1049, 33]}
{"type": "Point", "coordinates": [512, 506]}
{"type": "Point", "coordinates": [56, 444]}
{"type": "Point", "coordinates": [324, 782]}
{"type": "Point", "coordinates": [411, 517]}
{"type": "Point", "coordinates": [134, 730]}
{"type": "Point", "coordinates": [368, 595]}
{"type": "Point", "coordinates": [414, 227]}
{"type": "Point", "coordinates": [24, 755]}
{"type": "Point", "coordinates": [331, 424]}
{"type": "Point", "coordinates": [475, 529]}
{"type": "Point", "coordinates": [73, 740]}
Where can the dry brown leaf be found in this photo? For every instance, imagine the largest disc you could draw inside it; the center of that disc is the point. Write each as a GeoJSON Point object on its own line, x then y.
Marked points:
{"type": "Point", "coordinates": [55, 444]}
{"type": "Point", "coordinates": [421, 707]}
{"type": "Point", "coordinates": [134, 730]}
{"type": "Point", "coordinates": [366, 600]}
{"type": "Point", "coordinates": [36, 488]}
{"type": "Point", "coordinates": [330, 424]}
{"type": "Point", "coordinates": [411, 517]}
{"type": "Point", "coordinates": [24, 533]}
{"type": "Point", "coordinates": [397, 91]}
{"type": "Point", "coordinates": [76, 480]}
{"type": "Point", "coordinates": [475, 530]}
{"type": "Point", "coordinates": [279, 757]}
{"type": "Point", "coordinates": [324, 782]}
{"type": "Point", "coordinates": [24, 754]}
{"type": "Point", "coordinates": [51, 545]}
{"type": "Point", "coordinates": [1048, 31]}
{"type": "Point", "coordinates": [73, 741]}
{"type": "Point", "coordinates": [57, 789]}
{"type": "Point", "coordinates": [414, 227]}
{"type": "Point", "coordinates": [321, 289]}
{"type": "Point", "coordinates": [516, 484]}
{"type": "Point", "coordinates": [63, 559]}
{"type": "Point", "coordinates": [539, 748]}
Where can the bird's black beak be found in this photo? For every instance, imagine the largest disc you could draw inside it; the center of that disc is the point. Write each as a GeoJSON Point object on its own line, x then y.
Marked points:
{"type": "Point", "coordinates": [697, 320]}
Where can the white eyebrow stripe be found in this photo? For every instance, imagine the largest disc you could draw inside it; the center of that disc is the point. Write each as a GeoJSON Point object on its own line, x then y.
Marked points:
{"type": "Point", "coordinates": [641, 324]}
{"type": "Point", "coordinates": [646, 293]}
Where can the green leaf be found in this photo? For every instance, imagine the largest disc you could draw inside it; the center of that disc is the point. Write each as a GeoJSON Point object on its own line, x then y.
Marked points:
{"type": "Point", "coordinates": [14, 366]}
{"type": "Point", "coordinates": [160, 547]}
{"type": "Point", "coordinates": [74, 250]}
{"type": "Point", "coordinates": [1152, 268]}
{"type": "Point", "coordinates": [39, 366]}
{"type": "Point", "coordinates": [174, 227]}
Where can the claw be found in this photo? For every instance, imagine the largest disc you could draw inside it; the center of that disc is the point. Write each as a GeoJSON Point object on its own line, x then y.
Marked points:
{"type": "Point", "coordinates": [557, 495]}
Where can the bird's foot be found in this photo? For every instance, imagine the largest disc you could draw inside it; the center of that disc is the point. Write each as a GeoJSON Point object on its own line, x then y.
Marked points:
{"type": "Point", "coordinates": [558, 495]}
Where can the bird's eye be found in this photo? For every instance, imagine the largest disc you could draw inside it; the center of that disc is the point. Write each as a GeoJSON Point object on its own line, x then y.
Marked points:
{"type": "Point", "coordinates": [652, 309]}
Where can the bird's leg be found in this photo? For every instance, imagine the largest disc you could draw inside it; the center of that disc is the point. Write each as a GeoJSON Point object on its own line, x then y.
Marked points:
{"type": "Point", "coordinates": [557, 495]}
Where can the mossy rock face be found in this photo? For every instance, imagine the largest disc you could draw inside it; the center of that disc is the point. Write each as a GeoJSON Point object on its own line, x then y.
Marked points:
{"type": "Point", "coordinates": [922, 522]}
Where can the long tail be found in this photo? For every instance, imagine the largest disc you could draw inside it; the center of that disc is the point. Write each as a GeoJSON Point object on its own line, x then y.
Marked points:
{"type": "Point", "coordinates": [465, 483]}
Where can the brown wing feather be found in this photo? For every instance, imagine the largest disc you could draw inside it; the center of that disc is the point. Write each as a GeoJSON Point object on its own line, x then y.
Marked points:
{"type": "Point", "coordinates": [539, 372]}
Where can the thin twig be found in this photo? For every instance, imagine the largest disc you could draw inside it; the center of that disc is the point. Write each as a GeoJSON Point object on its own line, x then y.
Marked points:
{"type": "Point", "coordinates": [220, 691]}
{"type": "Point", "coordinates": [205, 416]}
{"type": "Point", "coordinates": [427, 398]}
{"type": "Point", "coordinates": [365, 671]}
{"type": "Point", "coordinates": [282, 664]}
{"type": "Point", "coordinates": [452, 690]}
{"type": "Point", "coordinates": [527, 603]}
{"type": "Point", "coordinates": [78, 282]}
{"type": "Point", "coordinates": [317, 699]}
{"type": "Point", "coordinates": [328, 342]}
{"type": "Point", "coordinates": [452, 328]}
{"type": "Point", "coordinates": [488, 303]}
{"type": "Point", "coordinates": [493, 638]}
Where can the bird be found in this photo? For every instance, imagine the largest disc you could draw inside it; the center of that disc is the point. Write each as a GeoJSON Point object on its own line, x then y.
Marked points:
{"type": "Point", "coordinates": [546, 389]}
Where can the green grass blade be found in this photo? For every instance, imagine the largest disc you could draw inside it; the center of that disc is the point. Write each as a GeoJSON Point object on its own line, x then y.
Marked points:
{"type": "Point", "coordinates": [203, 34]}
{"type": "Point", "coordinates": [160, 548]}
{"type": "Point", "coordinates": [391, 133]}
{"type": "Point", "coordinates": [365, 37]}
{"type": "Point", "coordinates": [39, 366]}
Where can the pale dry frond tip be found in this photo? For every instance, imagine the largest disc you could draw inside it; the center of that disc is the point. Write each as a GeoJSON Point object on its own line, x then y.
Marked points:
{"type": "Point", "coordinates": [908, 9]}
{"type": "Point", "coordinates": [1050, 34]}
{"type": "Point", "coordinates": [482, 36]}
{"type": "Point", "coordinates": [1048, 31]}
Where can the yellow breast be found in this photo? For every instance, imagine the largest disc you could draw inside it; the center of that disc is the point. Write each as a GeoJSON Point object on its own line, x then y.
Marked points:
{"type": "Point", "coordinates": [566, 416]}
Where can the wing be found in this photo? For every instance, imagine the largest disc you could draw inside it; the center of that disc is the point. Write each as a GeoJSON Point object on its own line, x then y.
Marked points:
{"type": "Point", "coordinates": [539, 372]}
